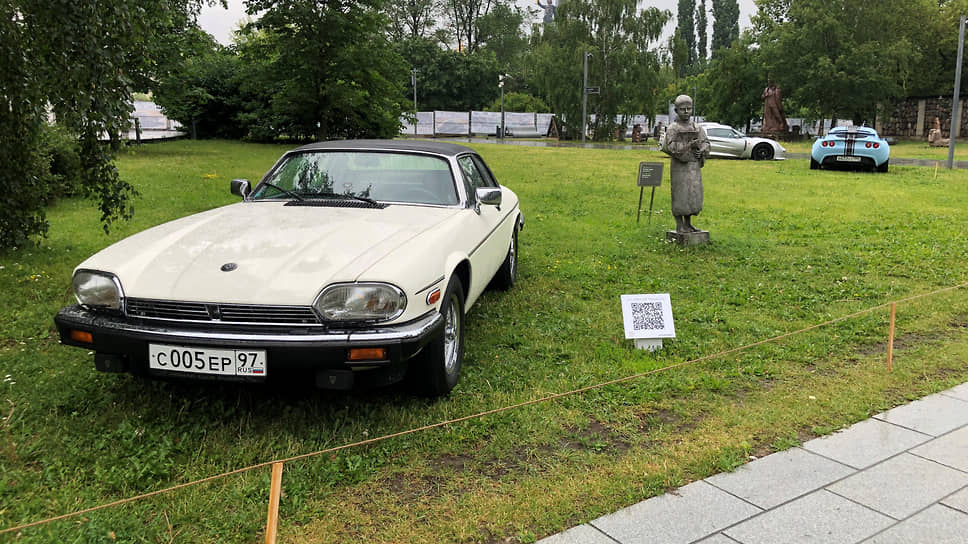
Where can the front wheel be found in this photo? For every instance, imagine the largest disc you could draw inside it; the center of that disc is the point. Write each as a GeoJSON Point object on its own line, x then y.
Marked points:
{"type": "Point", "coordinates": [762, 152]}
{"type": "Point", "coordinates": [436, 370]}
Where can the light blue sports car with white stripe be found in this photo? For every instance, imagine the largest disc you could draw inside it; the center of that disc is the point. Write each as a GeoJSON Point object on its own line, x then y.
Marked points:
{"type": "Point", "coordinates": [850, 147]}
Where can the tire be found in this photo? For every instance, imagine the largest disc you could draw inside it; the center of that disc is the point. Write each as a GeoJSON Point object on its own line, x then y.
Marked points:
{"type": "Point", "coordinates": [507, 275]}
{"type": "Point", "coordinates": [883, 167]}
{"type": "Point", "coordinates": [435, 371]}
{"type": "Point", "coordinates": [762, 152]}
{"type": "Point", "coordinates": [814, 165]}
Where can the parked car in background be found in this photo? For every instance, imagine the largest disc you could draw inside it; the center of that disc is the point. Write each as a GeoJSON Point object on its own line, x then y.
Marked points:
{"type": "Point", "coordinates": [851, 147]}
{"type": "Point", "coordinates": [350, 262]}
{"type": "Point", "coordinates": [726, 141]}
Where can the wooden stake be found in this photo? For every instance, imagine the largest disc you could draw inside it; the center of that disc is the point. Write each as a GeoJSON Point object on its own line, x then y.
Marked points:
{"type": "Point", "coordinates": [936, 165]}
{"type": "Point", "coordinates": [275, 491]}
{"type": "Point", "coordinates": [890, 339]}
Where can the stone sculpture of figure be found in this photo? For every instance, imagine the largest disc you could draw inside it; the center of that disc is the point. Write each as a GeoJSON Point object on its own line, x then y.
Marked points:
{"type": "Point", "coordinates": [774, 121]}
{"type": "Point", "coordinates": [549, 10]}
{"type": "Point", "coordinates": [934, 135]}
{"type": "Point", "coordinates": [687, 144]}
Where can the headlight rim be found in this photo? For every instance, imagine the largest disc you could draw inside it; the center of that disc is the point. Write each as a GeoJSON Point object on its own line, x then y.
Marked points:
{"type": "Point", "coordinates": [402, 306]}
{"type": "Point", "coordinates": [113, 278]}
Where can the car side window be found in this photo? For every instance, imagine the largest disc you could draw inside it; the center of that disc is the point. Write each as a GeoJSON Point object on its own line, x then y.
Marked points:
{"type": "Point", "coordinates": [489, 180]}
{"type": "Point", "coordinates": [472, 174]}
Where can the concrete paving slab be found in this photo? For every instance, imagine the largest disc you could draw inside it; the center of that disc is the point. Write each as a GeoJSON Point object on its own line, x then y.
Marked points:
{"type": "Point", "coordinates": [958, 501]}
{"type": "Point", "coordinates": [901, 486]}
{"type": "Point", "coordinates": [866, 443]}
{"type": "Point", "coordinates": [682, 516]}
{"type": "Point", "coordinates": [960, 392]}
{"type": "Point", "coordinates": [718, 538]}
{"type": "Point", "coordinates": [820, 517]}
{"type": "Point", "coordinates": [949, 450]}
{"type": "Point", "coordinates": [780, 477]}
{"type": "Point", "coordinates": [581, 534]}
{"type": "Point", "coordinates": [936, 525]}
{"type": "Point", "coordinates": [934, 415]}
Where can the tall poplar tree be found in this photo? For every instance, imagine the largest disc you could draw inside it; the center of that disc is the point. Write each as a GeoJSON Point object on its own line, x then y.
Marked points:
{"type": "Point", "coordinates": [725, 23]}
{"type": "Point", "coordinates": [701, 36]}
{"type": "Point", "coordinates": [687, 29]}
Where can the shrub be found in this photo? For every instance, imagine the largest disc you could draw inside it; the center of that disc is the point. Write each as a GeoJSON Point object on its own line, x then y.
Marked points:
{"type": "Point", "coordinates": [62, 152]}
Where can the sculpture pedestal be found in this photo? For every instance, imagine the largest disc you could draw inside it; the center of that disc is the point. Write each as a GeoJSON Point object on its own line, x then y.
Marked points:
{"type": "Point", "coordinates": [698, 238]}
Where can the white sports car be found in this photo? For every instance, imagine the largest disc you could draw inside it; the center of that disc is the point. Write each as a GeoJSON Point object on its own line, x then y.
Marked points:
{"type": "Point", "coordinates": [726, 141]}
{"type": "Point", "coordinates": [350, 262]}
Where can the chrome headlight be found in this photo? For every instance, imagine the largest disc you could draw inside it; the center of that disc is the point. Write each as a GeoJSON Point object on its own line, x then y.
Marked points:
{"type": "Point", "coordinates": [360, 302]}
{"type": "Point", "coordinates": [97, 289]}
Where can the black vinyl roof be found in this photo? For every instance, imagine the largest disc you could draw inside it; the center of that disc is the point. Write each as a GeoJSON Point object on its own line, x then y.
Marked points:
{"type": "Point", "coordinates": [424, 146]}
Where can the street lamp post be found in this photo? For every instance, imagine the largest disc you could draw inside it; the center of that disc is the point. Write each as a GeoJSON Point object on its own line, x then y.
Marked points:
{"type": "Point", "coordinates": [584, 103]}
{"type": "Point", "coordinates": [500, 84]}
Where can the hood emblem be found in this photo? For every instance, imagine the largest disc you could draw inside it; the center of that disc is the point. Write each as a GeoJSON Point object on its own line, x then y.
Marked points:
{"type": "Point", "coordinates": [228, 267]}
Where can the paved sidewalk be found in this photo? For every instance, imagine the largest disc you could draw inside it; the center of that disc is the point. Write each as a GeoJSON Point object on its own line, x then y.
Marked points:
{"type": "Point", "coordinates": [900, 477]}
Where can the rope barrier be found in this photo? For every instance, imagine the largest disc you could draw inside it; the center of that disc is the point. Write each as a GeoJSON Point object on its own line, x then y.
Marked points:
{"type": "Point", "coordinates": [479, 415]}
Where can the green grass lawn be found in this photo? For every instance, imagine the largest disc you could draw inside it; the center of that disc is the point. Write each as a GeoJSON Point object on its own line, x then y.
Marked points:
{"type": "Point", "coordinates": [791, 248]}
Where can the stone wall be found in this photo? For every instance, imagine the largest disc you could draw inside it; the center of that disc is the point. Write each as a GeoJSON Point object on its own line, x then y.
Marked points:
{"type": "Point", "coordinates": [914, 117]}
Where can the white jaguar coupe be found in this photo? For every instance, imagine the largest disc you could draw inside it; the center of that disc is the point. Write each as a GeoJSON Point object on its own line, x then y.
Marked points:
{"type": "Point", "coordinates": [351, 262]}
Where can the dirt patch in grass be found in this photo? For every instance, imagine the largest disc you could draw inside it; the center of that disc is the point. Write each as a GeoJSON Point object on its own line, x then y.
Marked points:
{"type": "Point", "coordinates": [904, 341]}
{"type": "Point", "coordinates": [670, 419]}
{"type": "Point", "coordinates": [595, 437]}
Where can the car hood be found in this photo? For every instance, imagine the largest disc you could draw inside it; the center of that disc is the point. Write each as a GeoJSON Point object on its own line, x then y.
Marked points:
{"type": "Point", "coordinates": [276, 254]}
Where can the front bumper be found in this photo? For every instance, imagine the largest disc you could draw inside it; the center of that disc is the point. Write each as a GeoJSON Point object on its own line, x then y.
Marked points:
{"type": "Point", "coordinates": [121, 344]}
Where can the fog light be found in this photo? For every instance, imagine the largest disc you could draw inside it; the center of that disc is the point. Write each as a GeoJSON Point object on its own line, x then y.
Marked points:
{"type": "Point", "coordinates": [368, 354]}
{"type": "Point", "coordinates": [82, 336]}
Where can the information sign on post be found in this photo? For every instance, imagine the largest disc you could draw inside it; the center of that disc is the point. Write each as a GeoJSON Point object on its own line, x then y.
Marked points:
{"type": "Point", "coordinates": [650, 175]}
{"type": "Point", "coordinates": [593, 90]}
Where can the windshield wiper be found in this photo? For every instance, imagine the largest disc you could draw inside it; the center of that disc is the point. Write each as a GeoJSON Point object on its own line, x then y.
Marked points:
{"type": "Point", "coordinates": [285, 192]}
{"type": "Point", "coordinates": [351, 195]}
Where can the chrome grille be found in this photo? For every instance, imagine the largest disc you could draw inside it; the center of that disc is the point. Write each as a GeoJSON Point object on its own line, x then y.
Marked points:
{"type": "Point", "coordinates": [220, 313]}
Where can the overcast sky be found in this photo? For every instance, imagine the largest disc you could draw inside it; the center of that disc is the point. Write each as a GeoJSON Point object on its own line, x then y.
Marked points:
{"type": "Point", "coordinates": [221, 22]}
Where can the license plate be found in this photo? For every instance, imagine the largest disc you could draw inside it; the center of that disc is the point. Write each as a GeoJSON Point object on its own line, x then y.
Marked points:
{"type": "Point", "coordinates": [222, 362]}
{"type": "Point", "coordinates": [847, 158]}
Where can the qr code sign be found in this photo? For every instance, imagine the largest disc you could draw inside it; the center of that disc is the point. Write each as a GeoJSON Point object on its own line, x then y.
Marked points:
{"type": "Point", "coordinates": [647, 316]}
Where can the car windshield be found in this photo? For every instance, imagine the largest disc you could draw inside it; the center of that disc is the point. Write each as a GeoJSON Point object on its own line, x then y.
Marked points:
{"type": "Point", "coordinates": [377, 175]}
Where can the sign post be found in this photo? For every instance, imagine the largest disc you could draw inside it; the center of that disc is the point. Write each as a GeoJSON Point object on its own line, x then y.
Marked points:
{"type": "Point", "coordinates": [650, 175]}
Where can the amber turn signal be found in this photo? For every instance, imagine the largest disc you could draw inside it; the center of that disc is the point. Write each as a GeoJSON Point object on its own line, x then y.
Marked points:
{"type": "Point", "coordinates": [368, 354]}
{"type": "Point", "coordinates": [82, 336]}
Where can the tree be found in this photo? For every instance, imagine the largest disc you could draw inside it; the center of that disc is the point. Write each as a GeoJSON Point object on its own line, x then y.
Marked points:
{"type": "Point", "coordinates": [701, 36]}
{"type": "Point", "coordinates": [331, 71]}
{"type": "Point", "coordinates": [203, 91]}
{"type": "Point", "coordinates": [725, 23]}
{"type": "Point", "coordinates": [465, 16]}
{"type": "Point", "coordinates": [679, 51]}
{"type": "Point", "coordinates": [448, 79]}
{"type": "Point", "coordinates": [500, 33]}
{"type": "Point", "coordinates": [732, 90]}
{"type": "Point", "coordinates": [622, 64]}
{"type": "Point", "coordinates": [79, 62]}
{"type": "Point", "coordinates": [687, 30]}
{"type": "Point", "coordinates": [411, 18]}
{"type": "Point", "coordinates": [840, 58]}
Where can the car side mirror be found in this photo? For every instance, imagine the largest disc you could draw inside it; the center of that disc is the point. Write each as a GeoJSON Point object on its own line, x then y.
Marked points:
{"type": "Point", "coordinates": [240, 187]}
{"type": "Point", "coordinates": [489, 195]}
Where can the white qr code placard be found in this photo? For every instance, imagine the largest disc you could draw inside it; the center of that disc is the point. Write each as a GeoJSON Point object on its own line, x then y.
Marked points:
{"type": "Point", "coordinates": [648, 316]}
